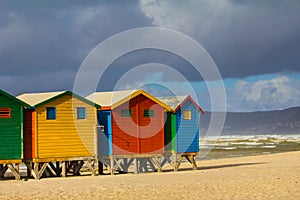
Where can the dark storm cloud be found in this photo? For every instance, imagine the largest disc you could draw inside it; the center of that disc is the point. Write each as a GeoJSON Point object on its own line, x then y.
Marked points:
{"type": "Point", "coordinates": [40, 37]}
{"type": "Point", "coordinates": [245, 38]}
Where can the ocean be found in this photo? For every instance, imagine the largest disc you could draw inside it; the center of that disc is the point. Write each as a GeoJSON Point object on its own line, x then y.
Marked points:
{"type": "Point", "coordinates": [213, 147]}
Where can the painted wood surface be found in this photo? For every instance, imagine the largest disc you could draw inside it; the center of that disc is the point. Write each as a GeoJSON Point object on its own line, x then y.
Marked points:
{"type": "Point", "coordinates": [105, 136]}
{"type": "Point", "coordinates": [170, 133]}
{"type": "Point", "coordinates": [135, 134]}
{"type": "Point", "coordinates": [187, 136]}
{"type": "Point", "coordinates": [66, 136]}
{"type": "Point", "coordinates": [29, 134]}
{"type": "Point", "coordinates": [11, 130]}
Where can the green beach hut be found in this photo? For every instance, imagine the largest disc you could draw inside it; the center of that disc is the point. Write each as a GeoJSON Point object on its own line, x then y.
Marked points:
{"type": "Point", "coordinates": [11, 133]}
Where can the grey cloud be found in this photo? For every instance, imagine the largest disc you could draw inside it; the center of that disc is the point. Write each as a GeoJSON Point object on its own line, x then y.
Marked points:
{"type": "Point", "coordinates": [245, 38]}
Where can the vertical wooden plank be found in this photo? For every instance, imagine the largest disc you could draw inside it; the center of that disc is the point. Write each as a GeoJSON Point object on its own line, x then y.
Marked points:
{"type": "Point", "coordinates": [14, 171]}
{"type": "Point", "coordinates": [136, 166]}
{"type": "Point", "coordinates": [175, 163]}
{"type": "Point", "coordinates": [112, 167]}
{"type": "Point", "coordinates": [35, 171]}
{"type": "Point", "coordinates": [64, 169]}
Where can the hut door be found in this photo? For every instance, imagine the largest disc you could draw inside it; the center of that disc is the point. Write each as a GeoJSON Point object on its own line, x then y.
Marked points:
{"type": "Point", "coordinates": [150, 121]}
{"type": "Point", "coordinates": [104, 133]}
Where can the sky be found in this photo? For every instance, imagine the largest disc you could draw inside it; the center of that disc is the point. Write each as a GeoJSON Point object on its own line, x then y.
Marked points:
{"type": "Point", "coordinates": [254, 44]}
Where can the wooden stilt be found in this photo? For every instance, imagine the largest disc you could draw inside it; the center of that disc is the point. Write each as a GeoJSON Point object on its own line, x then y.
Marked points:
{"type": "Point", "coordinates": [54, 169]}
{"type": "Point", "coordinates": [136, 166]}
{"type": "Point", "coordinates": [175, 163]}
{"type": "Point", "coordinates": [91, 168]}
{"type": "Point", "coordinates": [14, 171]}
{"type": "Point", "coordinates": [35, 171]}
{"type": "Point", "coordinates": [28, 169]}
{"type": "Point", "coordinates": [156, 163]}
{"type": "Point", "coordinates": [3, 170]}
{"type": "Point", "coordinates": [194, 162]}
{"type": "Point", "coordinates": [112, 166]}
{"type": "Point", "coordinates": [17, 167]}
{"type": "Point", "coordinates": [64, 169]}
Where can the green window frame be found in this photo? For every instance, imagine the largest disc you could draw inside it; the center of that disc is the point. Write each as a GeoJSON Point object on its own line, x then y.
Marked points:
{"type": "Point", "coordinates": [148, 113]}
{"type": "Point", "coordinates": [126, 113]}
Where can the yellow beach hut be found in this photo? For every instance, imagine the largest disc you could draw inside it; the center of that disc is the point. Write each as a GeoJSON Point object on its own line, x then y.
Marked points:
{"type": "Point", "coordinates": [59, 133]}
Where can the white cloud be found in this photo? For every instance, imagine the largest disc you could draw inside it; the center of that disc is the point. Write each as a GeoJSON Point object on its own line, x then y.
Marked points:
{"type": "Point", "coordinates": [187, 15]}
{"type": "Point", "coordinates": [279, 92]}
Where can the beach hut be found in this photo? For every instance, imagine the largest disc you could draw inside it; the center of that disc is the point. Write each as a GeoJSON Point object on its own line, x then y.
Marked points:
{"type": "Point", "coordinates": [182, 128]}
{"type": "Point", "coordinates": [132, 123]}
{"type": "Point", "coordinates": [11, 133]}
{"type": "Point", "coordinates": [60, 133]}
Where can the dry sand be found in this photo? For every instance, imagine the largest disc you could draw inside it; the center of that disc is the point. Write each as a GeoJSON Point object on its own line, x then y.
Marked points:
{"type": "Point", "coordinates": [275, 176]}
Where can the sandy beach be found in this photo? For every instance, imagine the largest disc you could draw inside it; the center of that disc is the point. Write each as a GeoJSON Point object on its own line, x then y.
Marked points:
{"type": "Point", "coordinates": [274, 176]}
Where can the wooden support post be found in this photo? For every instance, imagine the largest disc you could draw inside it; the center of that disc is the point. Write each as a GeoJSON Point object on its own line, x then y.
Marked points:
{"type": "Point", "coordinates": [14, 171]}
{"type": "Point", "coordinates": [156, 163]}
{"type": "Point", "coordinates": [49, 171]}
{"type": "Point", "coordinates": [194, 162]}
{"type": "Point", "coordinates": [112, 170]}
{"type": "Point", "coordinates": [77, 168]}
{"type": "Point", "coordinates": [35, 170]}
{"type": "Point", "coordinates": [100, 168]}
{"type": "Point", "coordinates": [54, 170]}
{"type": "Point", "coordinates": [28, 169]}
{"type": "Point", "coordinates": [143, 165]}
{"type": "Point", "coordinates": [18, 167]}
{"type": "Point", "coordinates": [175, 163]}
{"type": "Point", "coordinates": [180, 160]}
{"type": "Point", "coordinates": [3, 170]}
{"type": "Point", "coordinates": [89, 165]}
{"type": "Point", "coordinates": [64, 169]}
{"type": "Point", "coordinates": [136, 166]}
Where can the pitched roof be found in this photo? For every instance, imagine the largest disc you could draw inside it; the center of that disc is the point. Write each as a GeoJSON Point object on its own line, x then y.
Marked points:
{"type": "Point", "coordinates": [175, 102]}
{"type": "Point", "coordinates": [39, 99]}
{"type": "Point", "coordinates": [113, 99]}
{"type": "Point", "coordinates": [2, 92]}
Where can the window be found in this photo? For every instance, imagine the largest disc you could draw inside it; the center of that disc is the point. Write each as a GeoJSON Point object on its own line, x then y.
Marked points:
{"type": "Point", "coordinates": [51, 113]}
{"type": "Point", "coordinates": [148, 113]}
{"type": "Point", "coordinates": [4, 112]}
{"type": "Point", "coordinates": [187, 114]}
{"type": "Point", "coordinates": [81, 113]}
{"type": "Point", "coordinates": [126, 113]}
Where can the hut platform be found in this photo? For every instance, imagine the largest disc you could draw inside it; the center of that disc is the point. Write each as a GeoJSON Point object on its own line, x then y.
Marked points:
{"type": "Point", "coordinates": [12, 165]}
{"type": "Point", "coordinates": [63, 167]}
{"type": "Point", "coordinates": [175, 159]}
{"type": "Point", "coordinates": [125, 163]}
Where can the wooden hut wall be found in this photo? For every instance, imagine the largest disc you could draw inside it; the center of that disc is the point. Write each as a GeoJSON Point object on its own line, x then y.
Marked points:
{"type": "Point", "coordinates": [11, 129]}
{"type": "Point", "coordinates": [151, 127]}
{"type": "Point", "coordinates": [125, 128]}
{"type": "Point", "coordinates": [65, 136]}
{"type": "Point", "coordinates": [187, 129]}
{"type": "Point", "coordinates": [135, 130]}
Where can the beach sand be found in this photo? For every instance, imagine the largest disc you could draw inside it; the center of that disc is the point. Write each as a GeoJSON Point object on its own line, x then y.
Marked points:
{"type": "Point", "coordinates": [274, 176]}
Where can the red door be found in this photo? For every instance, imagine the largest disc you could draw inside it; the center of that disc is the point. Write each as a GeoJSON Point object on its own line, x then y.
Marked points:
{"type": "Point", "coordinates": [151, 126]}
